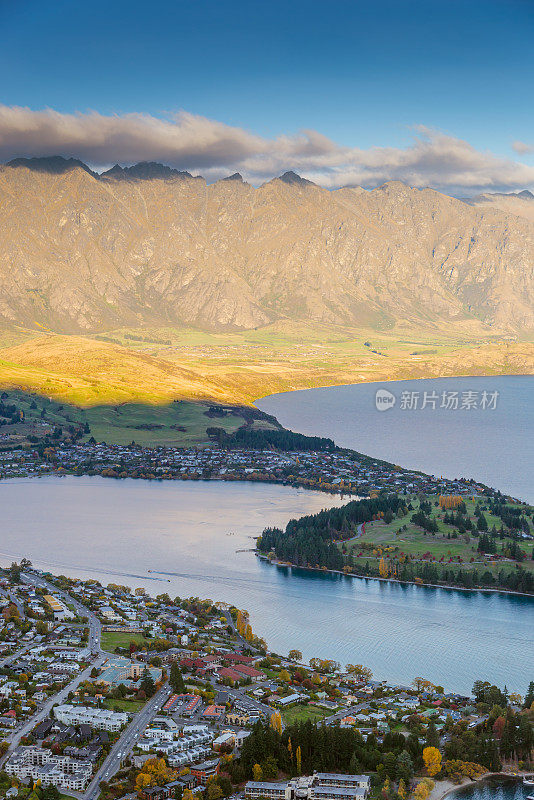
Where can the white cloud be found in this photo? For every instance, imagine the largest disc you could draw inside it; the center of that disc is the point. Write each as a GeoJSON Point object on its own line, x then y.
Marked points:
{"type": "Point", "coordinates": [522, 148]}
{"type": "Point", "coordinates": [198, 144]}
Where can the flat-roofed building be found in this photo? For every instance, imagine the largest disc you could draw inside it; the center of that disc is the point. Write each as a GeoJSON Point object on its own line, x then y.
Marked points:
{"type": "Point", "coordinates": [319, 786]}
{"type": "Point", "coordinates": [100, 718]}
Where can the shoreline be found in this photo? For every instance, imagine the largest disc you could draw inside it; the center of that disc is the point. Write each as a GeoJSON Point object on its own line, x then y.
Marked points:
{"type": "Point", "coordinates": [392, 380]}
{"type": "Point", "coordinates": [447, 788]}
{"type": "Point", "coordinates": [388, 381]}
{"type": "Point", "coordinates": [448, 587]}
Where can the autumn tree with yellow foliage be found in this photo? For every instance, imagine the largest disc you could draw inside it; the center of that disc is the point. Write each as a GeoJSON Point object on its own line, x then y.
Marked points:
{"type": "Point", "coordinates": [383, 569]}
{"type": "Point", "coordinates": [155, 772]}
{"type": "Point", "coordinates": [298, 759]}
{"type": "Point", "coordinates": [276, 722]}
{"type": "Point", "coordinates": [432, 759]}
{"type": "Point", "coordinates": [423, 789]}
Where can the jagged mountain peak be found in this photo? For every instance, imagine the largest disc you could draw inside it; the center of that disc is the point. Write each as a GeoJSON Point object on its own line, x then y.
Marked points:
{"type": "Point", "coordinates": [75, 256]}
{"type": "Point", "coordinates": [235, 177]}
{"type": "Point", "coordinates": [292, 178]}
{"type": "Point", "coordinates": [394, 187]}
{"type": "Point", "coordinates": [144, 170]}
{"type": "Point", "coordinates": [55, 165]}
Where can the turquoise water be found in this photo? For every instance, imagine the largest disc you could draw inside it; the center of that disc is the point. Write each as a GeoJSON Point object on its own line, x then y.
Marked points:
{"type": "Point", "coordinates": [493, 789]}
{"type": "Point", "coordinates": [196, 539]}
{"type": "Point", "coordinates": [492, 445]}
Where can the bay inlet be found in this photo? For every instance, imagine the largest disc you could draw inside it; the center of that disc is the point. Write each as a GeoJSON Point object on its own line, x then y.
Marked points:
{"type": "Point", "coordinates": [196, 539]}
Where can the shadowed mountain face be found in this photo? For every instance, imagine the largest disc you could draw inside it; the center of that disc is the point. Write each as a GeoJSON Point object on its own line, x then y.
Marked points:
{"type": "Point", "coordinates": [148, 245]}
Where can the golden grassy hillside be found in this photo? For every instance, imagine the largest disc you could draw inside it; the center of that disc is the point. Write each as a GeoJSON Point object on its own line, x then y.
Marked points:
{"type": "Point", "coordinates": [238, 368]}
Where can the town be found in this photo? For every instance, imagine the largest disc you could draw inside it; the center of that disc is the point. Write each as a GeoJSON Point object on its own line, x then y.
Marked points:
{"type": "Point", "coordinates": [107, 692]}
{"type": "Point", "coordinates": [341, 471]}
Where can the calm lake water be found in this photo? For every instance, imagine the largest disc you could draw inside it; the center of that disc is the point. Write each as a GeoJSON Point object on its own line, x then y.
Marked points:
{"type": "Point", "coordinates": [492, 445]}
{"type": "Point", "coordinates": [191, 534]}
{"type": "Point", "coordinates": [493, 789]}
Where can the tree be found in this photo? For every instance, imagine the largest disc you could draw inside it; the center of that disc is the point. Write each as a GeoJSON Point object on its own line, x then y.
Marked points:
{"type": "Point", "coordinates": [142, 781]}
{"type": "Point", "coordinates": [214, 791]}
{"type": "Point", "coordinates": [422, 685]}
{"type": "Point", "coordinates": [50, 793]}
{"type": "Point", "coordinates": [498, 727]}
{"type": "Point", "coordinates": [257, 772]}
{"type": "Point", "coordinates": [432, 759]}
{"type": "Point", "coordinates": [401, 791]}
{"type": "Point", "coordinates": [383, 569]}
{"type": "Point", "coordinates": [405, 768]}
{"type": "Point", "coordinates": [295, 655]}
{"type": "Point", "coordinates": [515, 699]}
{"type": "Point", "coordinates": [298, 759]}
{"type": "Point", "coordinates": [147, 684]}
{"type": "Point", "coordinates": [529, 697]}
{"type": "Point", "coordinates": [284, 676]}
{"type": "Point", "coordinates": [432, 736]}
{"type": "Point", "coordinates": [359, 671]}
{"type": "Point", "coordinates": [423, 789]}
{"type": "Point", "coordinates": [176, 679]}
{"type": "Point", "coordinates": [276, 722]}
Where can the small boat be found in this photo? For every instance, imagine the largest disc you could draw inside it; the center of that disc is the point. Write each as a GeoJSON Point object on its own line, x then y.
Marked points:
{"type": "Point", "coordinates": [528, 780]}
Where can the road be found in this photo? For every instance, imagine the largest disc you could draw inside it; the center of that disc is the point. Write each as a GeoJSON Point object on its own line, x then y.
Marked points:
{"type": "Point", "coordinates": [16, 654]}
{"type": "Point", "coordinates": [126, 742]}
{"type": "Point", "coordinates": [44, 712]}
{"type": "Point", "coordinates": [346, 712]}
{"type": "Point", "coordinates": [243, 642]}
{"type": "Point", "coordinates": [245, 700]}
{"type": "Point", "coordinates": [95, 631]}
{"type": "Point", "coordinates": [95, 628]}
{"type": "Point", "coordinates": [129, 736]}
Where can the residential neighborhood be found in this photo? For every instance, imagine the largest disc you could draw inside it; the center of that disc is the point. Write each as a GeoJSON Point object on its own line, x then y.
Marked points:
{"type": "Point", "coordinates": [127, 694]}
{"type": "Point", "coordinates": [341, 471]}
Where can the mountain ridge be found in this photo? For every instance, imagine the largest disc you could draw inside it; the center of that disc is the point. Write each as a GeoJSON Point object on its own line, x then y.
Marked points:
{"type": "Point", "coordinates": [148, 245]}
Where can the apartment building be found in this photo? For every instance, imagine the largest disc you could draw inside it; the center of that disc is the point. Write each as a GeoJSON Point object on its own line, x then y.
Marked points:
{"type": "Point", "coordinates": [100, 718]}
{"type": "Point", "coordinates": [39, 764]}
{"type": "Point", "coordinates": [319, 786]}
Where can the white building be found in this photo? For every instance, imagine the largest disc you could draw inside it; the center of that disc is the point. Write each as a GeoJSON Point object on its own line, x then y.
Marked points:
{"type": "Point", "coordinates": [100, 718]}
{"type": "Point", "coordinates": [319, 786]}
{"type": "Point", "coordinates": [39, 764]}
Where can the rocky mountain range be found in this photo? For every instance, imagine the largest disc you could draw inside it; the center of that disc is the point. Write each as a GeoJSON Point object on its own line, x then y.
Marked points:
{"type": "Point", "coordinates": [148, 245]}
{"type": "Point", "coordinates": [519, 203]}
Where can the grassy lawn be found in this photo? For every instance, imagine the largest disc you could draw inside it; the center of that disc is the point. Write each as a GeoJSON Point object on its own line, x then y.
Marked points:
{"type": "Point", "coordinates": [129, 706]}
{"type": "Point", "coordinates": [113, 639]}
{"type": "Point", "coordinates": [181, 423]}
{"type": "Point", "coordinates": [300, 713]}
{"type": "Point", "coordinates": [158, 424]}
{"type": "Point", "coordinates": [415, 541]}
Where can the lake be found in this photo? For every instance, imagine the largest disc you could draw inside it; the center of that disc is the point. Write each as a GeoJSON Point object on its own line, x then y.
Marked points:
{"type": "Point", "coordinates": [497, 788]}
{"type": "Point", "coordinates": [492, 445]}
{"type": "Point", "coordinates": [197, 536]}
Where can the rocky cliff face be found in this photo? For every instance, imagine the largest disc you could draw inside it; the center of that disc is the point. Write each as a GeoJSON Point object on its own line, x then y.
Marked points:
{"type": "Point", "coordinates": [149, 246]}
{"type": "Point", "coordinates": [520, 204]}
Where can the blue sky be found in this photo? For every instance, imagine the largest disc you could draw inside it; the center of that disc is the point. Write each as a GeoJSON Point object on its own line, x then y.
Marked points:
{"type": "Point", "coordinates": [362, 74]}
